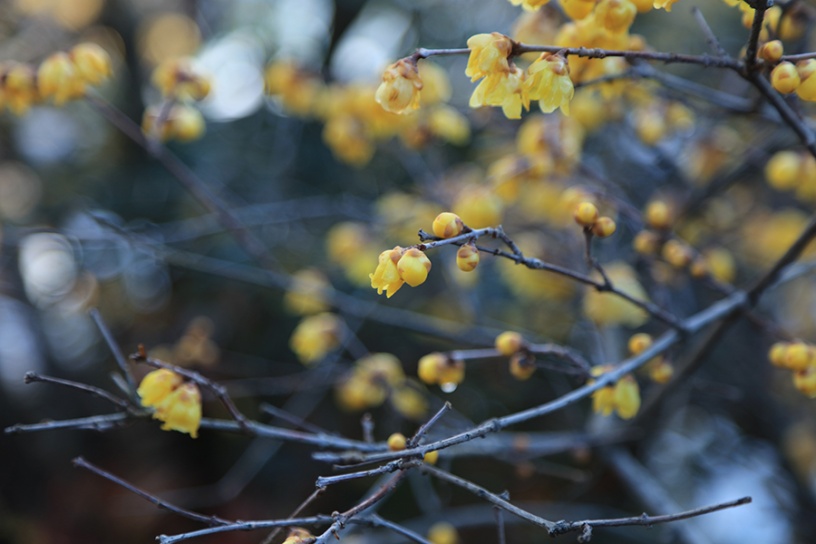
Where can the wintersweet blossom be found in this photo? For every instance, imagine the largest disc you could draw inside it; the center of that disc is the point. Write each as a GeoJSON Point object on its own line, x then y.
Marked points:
{"type": "Point", "coordinates": [181, 410]}
{"type": "Point", "coordinates": [549, 82]}
{"type": "Point", "coordinates": [399, 90]}
{"type": "Point", "coordinates": [386, 276]}
{"type": "Point", "coordinates": [488, 55]}
{"type": "Point", "coordinates": [503, 89]}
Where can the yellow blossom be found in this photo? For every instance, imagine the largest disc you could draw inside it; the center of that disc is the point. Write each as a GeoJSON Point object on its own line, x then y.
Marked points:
{"type": "Point", "coordinates": [386, 276]}
{"type": "Point", "coordinates": [297, 535]}
{"type": "Point", "coordinates": [436, 86]}
{"type": "Point", "coordinates": [181, 410]}
{"type": "Point", "coordinates": [92, 62]}
{"type": "Point", "coordinates": [305, 295]}
{"type": "Point", "coordinates": [505, 89]}
{"type": "Point", "coordinates": [610, 309]}
{"type": "Point", "coordinates": [399, 90]}
{"type": "Point", "coordinates": [157, 385]}
{"type": "Point", "coordinates": [19, 87]}
{"type": "Point", "coordinates": [315, 336]}
{"type": "Point", "coordinates": [58, 78]}
{"type": "Point", "coordinates": [488, 55]}
{"type": "Point", "coordinates": [548, 81]}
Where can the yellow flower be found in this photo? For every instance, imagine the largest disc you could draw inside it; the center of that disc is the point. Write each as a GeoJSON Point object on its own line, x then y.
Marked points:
{"type": "Point", "coordinates": [413, 267]}
{"type": "Point", "coordinates": [443, 532]}
{"type": "Point", "coordinates": [92, 63]}
{"type": "Point", "coordinates": [181, 410]}
{"type": "Point", "coordinates": [399, 90]}
{"type": "Point", "coordinates": [627, 397]}
{"type": "Point", "coordinates": [315, 336]}
{"type": "Point", "coordinates": [176, 78]}
{"type": "Point", "coordinates": [183, 123]}
{"type": "Point", "coordinates": [157, 385]}
{"type": "Point", "coordinates": [616, 15]}
{"type": "Point", "coordinates": [529, 5]}
{"type": "Point", "coordinates": [19, 87]}
{"type": "Point", "coordinates": [386, 276]}
{"type": "Point", "coordinates": [549, 82]}
{"type": "Point", "coordinates": [305, 294]}
{"type": "Point", "coordinates": [59, 79]}
{"type": "Point", "coordinates": [298, 535]}
{"type": "Point", "coordinates": [488, 55]}
{"type": "Point", "coordinates": [505, 89]}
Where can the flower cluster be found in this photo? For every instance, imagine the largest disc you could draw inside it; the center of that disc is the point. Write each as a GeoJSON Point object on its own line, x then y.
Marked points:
{"type": "Point", "coordinates": [61, 77]}
{"type": "Point", "coordinates": [586, 214]}
{"type": "Point", "coordinates": [504, 84]}
{"type": "Point", "coordinates": [522, 361]}
{"type": "Point", "coordinates": [622, 398]}
{"type": "Point", "coordinates": [399, 266]}
{"type": "Point", "coordinates": [799, 358]}
{"type": "Point", "coordinates": [175, 119]}
{"type": "Point", "coordinates": [175, 402]}
{"type": "Point", "coordinates": [376, 378]}
{"type": "Point", "coordinates": [357, 116]}
{"type": "Point", "coordinates": [659, 369]}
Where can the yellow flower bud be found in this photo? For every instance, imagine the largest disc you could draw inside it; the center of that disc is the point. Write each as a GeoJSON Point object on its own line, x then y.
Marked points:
{"type": "Point", "coordinates": [467, 258]}
{"type": "Point", "coordinates": [661, 371]}
{"type": "Point", "coordinates": [443, 532]}
{"type": "Point", "coordinates": [431, 457]}
{"type": "Point", "coordinates": [785, 78]}
{"type": "Point", "coordinates": [399, 90]}
{"type": "Point", "coordinates": [586, 214]}
{"type": "Point", "coordinates": [429, 367]}
{"type": "Point", "coordinates": [772, 51]}
{"type": "Point", "coordinates": [805, 382]}
{"type": "Point", "coordinates": [451, 374]}
{"type": "Point", "coordinates": [414, 266]}
{"type": "Point", "coordinates": [778, 353]}
{"type": "Point", "coordinates": [658, 215]}
{"type": "Point", "coordinates": [157, 385]}
{"type": "Point", "coordinates": [397, 442]}
{"type": "Point", "coordinates": [509, 342]}
{"type": "Point", "coordinates": [646, 242]}
{"type": "Point", "coordinates": [640, 342]}
{"type": "Point", "coordinates": [522, 366]}
{"type": "Point", "coordinates": [783, 170]}
{"type": "Point", "coordinates": [806, 69]}
{"type": "Point", "coordinates": [799, 356]}
{"type": "Point", "coordinates": [677, 254]}
{"type": "Point", "coordinates": [604, 227]}
{"type": "Point", "coordinates": [447, 225]}
{"type": "Point", "coordinates": [176, 78]}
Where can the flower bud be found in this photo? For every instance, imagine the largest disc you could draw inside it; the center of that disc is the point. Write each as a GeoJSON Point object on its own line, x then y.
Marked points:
{"type": "Point", "coordinates": [586, 214]}
{"type": "Point", "coordinates": [467, 258]}
{"type": "Point", "coordinates": [604, 227]}
{"type": "Point", "coordinates": [397, 442]}
{"type": "Point", "coordinates": [413, 267]}
{"type": "Point", "coordinates": [785, 78]}
{"type": "Point", "coordinates": [447, 225]}
{"type": "Point", "coordinates": [509, 342]}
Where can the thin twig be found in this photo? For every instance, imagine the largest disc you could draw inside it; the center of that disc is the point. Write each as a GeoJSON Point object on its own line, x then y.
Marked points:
{"type": "Point", "coordinates": [283, 415]}
{"type": "Point", "coordinates": [114, 348]}
{"type": "Point", "coordinates": [95, 423]}
{"type": "Point", "coordinates": [33, 377]}
{"type": "Point", "coordinates": [309, 500]}
{"type": "Point", "coordinates": [209, 520]}
{"type": "Point", "coordinates": [425, 427]}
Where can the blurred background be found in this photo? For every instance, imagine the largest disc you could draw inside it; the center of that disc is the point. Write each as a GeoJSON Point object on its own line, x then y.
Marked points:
{"type": "Point", "coordinates": [89, 219]}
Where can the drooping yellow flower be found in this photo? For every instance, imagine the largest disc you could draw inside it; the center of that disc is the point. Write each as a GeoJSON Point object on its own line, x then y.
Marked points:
{"type": "Point", "coordinates": [386, 276]}
{"type": "Point", "coordinates": [181, 410]}
{"type": "Point", "coordinates": [157, 385]}
{"type": "Point", "coordinates": [399, 90]}
{"type": "Point", "coordinates": [58, 78]}
{"type": "Point", "coordinates": [488, 55]}
{"type": "Point", "coordinates": [549, 82]}
{"type": "Point", "coordinates": [505, 89]}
